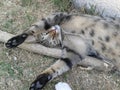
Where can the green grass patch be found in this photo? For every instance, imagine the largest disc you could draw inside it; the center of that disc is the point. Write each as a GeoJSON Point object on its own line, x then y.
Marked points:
{"type": "Point", "coordinates": [29, 19]}
{"type": "Point", "coordinates": [63, 5]}
{"type": "Point", "coordinates": [6, 68]}
{"type": "Point", "coordinates": [26, 2]}
{"type": "Point", "coordinates": [11, 25]}
{"type": "Point", "coordinates": [33, 3]}
{"type": "Point", "coordinates": [7, 25]}
{"type": "Point", "coordinates": [1, 4]}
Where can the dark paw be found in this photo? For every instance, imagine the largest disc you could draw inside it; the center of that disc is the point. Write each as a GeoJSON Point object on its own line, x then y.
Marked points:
{"type": "Point", "coordinates": [15, 41]}
{"type": "Point", "coordinates": [40, 82]}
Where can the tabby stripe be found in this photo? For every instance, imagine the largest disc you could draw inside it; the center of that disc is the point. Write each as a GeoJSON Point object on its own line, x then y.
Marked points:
{"type": "Point", "coordinates": [70, 50]}
{"type": "Point", "coordinates": [47, 25]}
{"type": "Point", "coordinates": [68, 62]}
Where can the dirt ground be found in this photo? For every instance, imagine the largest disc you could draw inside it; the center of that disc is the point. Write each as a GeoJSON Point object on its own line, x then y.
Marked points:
{"type": "Point", "coordinates": [18, 68]}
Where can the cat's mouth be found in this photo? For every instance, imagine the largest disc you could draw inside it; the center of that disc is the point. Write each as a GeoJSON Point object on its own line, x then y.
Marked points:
{"type": "Point", "coordinates": [54, 31]}
{"type": "Point", "coordinates": [52, 37]}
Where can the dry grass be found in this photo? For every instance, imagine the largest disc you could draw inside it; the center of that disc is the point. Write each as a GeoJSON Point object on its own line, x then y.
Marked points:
{"type": "Point", "coordinates": [18, 68]}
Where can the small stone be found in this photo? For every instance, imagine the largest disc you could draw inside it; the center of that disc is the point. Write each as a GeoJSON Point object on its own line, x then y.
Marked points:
{"type": "Point", "coordinates": [15, 58]}
{"type": "Point", "coordinates": [62, 86]}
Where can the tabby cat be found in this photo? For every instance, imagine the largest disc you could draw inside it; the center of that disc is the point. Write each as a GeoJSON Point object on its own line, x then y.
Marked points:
{"type": "Point", "coordinates": [88, 41]}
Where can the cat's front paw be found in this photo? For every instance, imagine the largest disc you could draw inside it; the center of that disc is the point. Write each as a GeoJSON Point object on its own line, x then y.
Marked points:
{"type": "Point", "coordinates": [40, 82]}
{"type": "Point", "coordinates": [15, 41]}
